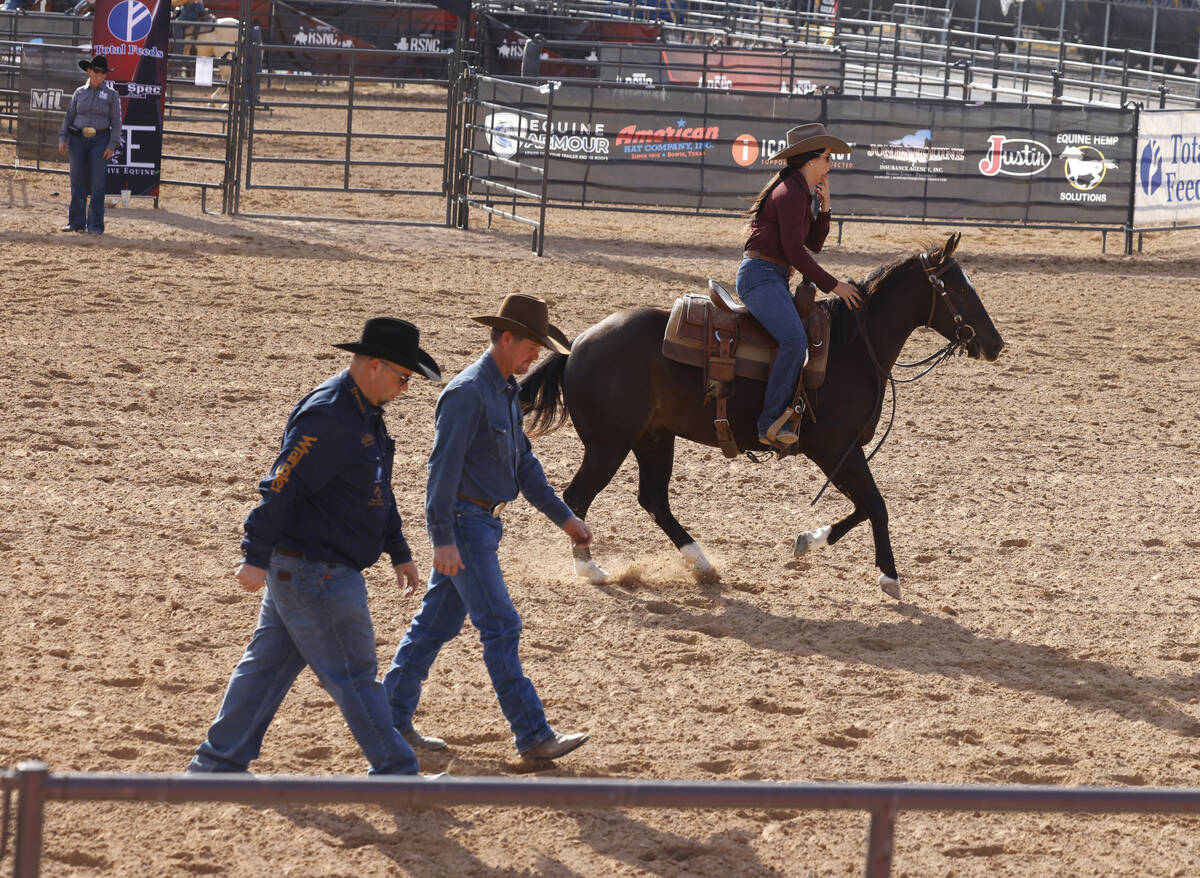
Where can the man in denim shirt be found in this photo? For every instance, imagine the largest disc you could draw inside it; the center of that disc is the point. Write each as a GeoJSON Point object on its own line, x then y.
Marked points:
{"type": "Point", "coordinates": [327, 512]}
{"type": "Point", "coordinates": [480, 459]}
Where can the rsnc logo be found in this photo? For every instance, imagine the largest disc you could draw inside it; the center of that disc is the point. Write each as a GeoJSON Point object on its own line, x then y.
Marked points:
{"type": "Point", "coordinates": [1014, 158]}
{"type": "Point", "coordinates": [505, 131]}
{"type": "Point", "coordinates": [1150, 167]}
{"type": "Point", "coordinates": [45, 98]}
{"type": "Point", "coordinates": [130, 21]}
{"type": "Point", "coordinates": [745, 149]}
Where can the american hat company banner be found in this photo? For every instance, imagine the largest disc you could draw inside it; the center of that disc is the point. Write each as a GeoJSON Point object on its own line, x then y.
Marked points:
{"type": "Point", "coordinates": [133, 36]}
{"type": "Point", "coordinates": [709, 149]}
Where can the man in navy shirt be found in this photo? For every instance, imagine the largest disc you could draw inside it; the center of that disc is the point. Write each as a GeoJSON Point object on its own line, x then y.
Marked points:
{"type": "Point", "coordinates": [480, 459]}
{"type": "Point", "coordinates": [327, 512]}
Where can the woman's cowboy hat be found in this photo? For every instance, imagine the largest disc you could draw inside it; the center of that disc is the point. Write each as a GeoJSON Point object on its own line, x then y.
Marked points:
{"type": "Point", "coordinates": [806, 138]}
{"type": "Point", "coordinates": [395, 341]}
{"type": "Point", "coordinates": [100, 63]}
{"type": "Point", "coordinates": [527, 316]}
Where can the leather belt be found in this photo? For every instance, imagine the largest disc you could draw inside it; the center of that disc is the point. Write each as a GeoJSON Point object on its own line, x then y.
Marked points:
{"type": "Point", "coordinates": [288, 553]}
{"type": "Point", "coordinates": [96, 132]}
{"type": "Point", "coordinates": [494, 508]}
{"type": "Point", "coordinates": [758, 254]}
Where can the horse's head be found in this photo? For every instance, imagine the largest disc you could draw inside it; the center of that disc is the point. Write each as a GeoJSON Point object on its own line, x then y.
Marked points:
{"type": "Point", "coordinates": [955, 310]}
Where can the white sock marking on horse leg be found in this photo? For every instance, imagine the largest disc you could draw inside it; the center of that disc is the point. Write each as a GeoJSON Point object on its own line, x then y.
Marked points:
{"type": "Point", "coordinates": [890, 585]}
{"type": "Point", "coordinates": [813, 539]}
{"type": "Point", "coordinates": [591, 571]}
{"type": "Point", "coordinates": [697, 560]}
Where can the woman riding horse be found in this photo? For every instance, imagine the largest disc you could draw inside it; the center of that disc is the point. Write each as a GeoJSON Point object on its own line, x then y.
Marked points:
{"type": "Point", "coordinates": [785, 225]}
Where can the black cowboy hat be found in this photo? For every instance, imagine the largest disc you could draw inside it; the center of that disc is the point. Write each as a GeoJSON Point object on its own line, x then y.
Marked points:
{"type": "Point", "coordinates": [810, 137]}
{"type": "Point", "coordinates": [396, 341]}
{"type": "Point", "coordinates": [527, 316]}
{"type": "Point", "coordinates": [100, 63]}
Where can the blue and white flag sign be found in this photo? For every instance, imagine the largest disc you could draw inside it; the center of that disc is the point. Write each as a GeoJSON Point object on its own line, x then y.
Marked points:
{"type": "Point", "coordinates": [1168, 168]}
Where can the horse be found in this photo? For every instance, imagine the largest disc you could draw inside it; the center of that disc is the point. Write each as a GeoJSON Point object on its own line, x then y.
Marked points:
{"type": "Point", "coordinates": [623, 395]}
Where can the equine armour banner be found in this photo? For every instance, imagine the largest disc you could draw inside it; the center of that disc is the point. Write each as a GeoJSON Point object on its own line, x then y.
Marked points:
{"type": "Point", "coordinates": [133, 36]}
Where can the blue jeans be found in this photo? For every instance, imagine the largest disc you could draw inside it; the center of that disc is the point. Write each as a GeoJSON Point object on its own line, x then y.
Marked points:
{"type": "Point", "coordinates": [763, 287]}
{"type": "Point", "coordinates": [312, 614]}
{"type": "Point", "coordinates": [478, 591]}
{"type": "Point", "coordinates": [88, 171]}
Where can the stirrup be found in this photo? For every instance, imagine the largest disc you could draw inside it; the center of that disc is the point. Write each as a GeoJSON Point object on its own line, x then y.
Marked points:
{"type": "Point", "coordinates": [779, 434]}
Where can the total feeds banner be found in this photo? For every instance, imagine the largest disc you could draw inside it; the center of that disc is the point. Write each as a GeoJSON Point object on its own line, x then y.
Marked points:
{"type": "Point", "coordinates": [133, 36]}
{"type": "Point", "coordinates": [1168, 172]}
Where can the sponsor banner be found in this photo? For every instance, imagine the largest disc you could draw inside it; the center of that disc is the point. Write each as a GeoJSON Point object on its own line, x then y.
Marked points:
{"type": "Point", "coordinates": [943, 160]}
{"type": "Point", "coordinates": [1168, 168]}
{"type": "Point", "coordinates": [49, 76]}
{"type": "Point", "coordinates": [802, 72]}
{"type": "Point", "coordinates": [918, 159]}
{"type": "Point", "coordinates": [133, 35]}
{"type": "Point", "coordinates": [421, 37]}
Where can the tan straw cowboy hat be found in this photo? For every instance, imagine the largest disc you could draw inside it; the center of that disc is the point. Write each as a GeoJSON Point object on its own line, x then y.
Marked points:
{"type": "Point", "coordinates": [809, 137]}
{"type": "Point", "coordinates": [527, 316]}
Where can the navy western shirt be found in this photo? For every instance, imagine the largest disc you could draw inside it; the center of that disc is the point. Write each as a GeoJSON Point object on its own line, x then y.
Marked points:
{"type": "Point", "coordinates": [329, 494]}
{"type": "Point", "coordinates": [480, 450]}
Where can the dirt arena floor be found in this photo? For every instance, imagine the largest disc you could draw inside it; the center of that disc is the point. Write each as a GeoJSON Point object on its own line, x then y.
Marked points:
{"type": "Point", "coordinates": [1044, 511]}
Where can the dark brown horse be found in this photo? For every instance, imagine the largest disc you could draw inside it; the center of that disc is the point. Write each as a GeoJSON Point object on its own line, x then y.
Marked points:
{"type": "Point", "coordinates": [623, 395]}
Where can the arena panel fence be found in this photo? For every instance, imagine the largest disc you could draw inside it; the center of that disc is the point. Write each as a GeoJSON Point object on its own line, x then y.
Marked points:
{"type": "Point", "coordinates": [358, 140]}
{"type": "Point", "coordinates": [197, 119]}
{"type": "Point", "coordinates": [35, 786]}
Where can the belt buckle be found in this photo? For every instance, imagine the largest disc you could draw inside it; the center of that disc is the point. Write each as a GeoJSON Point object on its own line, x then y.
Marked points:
{"type": "Point", "coordinates": [89, 132]}
{"type": "Point", "coordinates": [497, 508]}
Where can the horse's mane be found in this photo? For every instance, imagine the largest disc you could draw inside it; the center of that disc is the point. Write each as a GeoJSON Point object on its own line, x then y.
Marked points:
{"type": "Point", "coordinates": [842, 318]}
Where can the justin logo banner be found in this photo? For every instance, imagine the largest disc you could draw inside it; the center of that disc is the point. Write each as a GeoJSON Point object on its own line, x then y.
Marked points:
{"type": "Point", "coordinates": [133, 35]}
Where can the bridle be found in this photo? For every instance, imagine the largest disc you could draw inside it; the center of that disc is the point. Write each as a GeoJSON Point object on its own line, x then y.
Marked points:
{"type": "Point", "coordinates": [963, 331]}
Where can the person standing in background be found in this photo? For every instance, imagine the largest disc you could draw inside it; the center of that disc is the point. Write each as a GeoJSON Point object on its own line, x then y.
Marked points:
{"type": "Point", "coordinates": [90, 134]}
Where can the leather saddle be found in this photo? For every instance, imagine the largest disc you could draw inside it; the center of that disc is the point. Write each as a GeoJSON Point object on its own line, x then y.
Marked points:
{"type": "Point", "coordinates": [702, 327]}
{"type": "Point", "coordinates": [724, 339]}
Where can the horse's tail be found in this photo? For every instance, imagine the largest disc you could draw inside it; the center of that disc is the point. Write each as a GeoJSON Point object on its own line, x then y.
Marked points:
{"type": "Point", "coordinates": [542, 396]}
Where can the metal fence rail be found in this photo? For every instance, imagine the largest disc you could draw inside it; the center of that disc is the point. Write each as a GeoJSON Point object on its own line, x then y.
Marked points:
{"type": "Point", "coordinates": [36, 785]}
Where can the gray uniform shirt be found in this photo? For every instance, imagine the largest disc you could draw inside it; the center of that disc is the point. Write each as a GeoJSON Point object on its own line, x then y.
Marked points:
{"type": "Point", "coordinates": [97, 108]}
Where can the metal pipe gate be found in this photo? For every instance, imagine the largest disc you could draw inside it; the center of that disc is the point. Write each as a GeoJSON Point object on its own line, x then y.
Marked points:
{"type": "Point", "coordinates": [36, 785]}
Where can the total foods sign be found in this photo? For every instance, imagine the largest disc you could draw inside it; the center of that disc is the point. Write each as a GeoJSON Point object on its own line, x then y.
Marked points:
{"type": "Point", "coordinates": [1168, 167]}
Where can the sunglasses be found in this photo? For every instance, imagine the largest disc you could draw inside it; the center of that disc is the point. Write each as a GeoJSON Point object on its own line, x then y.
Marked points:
{"type": "Point", "coordinates": [400, 376]}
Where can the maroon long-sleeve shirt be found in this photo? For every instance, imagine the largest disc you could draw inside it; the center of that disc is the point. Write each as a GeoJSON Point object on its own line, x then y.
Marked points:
{"type": "Point", "coordinates": [785, 230]}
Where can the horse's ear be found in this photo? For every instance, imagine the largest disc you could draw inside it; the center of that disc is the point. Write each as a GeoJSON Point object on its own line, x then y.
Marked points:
{"type": "Point", "coordinates": [951, 245]}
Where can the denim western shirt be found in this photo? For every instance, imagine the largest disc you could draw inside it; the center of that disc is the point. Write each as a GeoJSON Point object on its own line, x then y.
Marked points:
{"type": "Point", "coordinates": [97, 108]}
{"type": "Point", "coordinates": [480, 450]}
{"type": "Point", "coordinates": [329, 494]}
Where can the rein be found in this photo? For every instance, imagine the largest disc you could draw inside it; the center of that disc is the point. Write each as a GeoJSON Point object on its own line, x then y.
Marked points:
{"type": "Point", "coordinates": [963, 333]}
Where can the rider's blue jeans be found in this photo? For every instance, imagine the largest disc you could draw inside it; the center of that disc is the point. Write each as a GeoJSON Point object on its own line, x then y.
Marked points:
{"type": "Point", "coordinates": [478, 591]}
{"type": "Point", "coordinates": [312, 614]}
{"type": "Point", "coordinates": [89, 171]}
{"type": "Point", "coordinates": [763, 287]}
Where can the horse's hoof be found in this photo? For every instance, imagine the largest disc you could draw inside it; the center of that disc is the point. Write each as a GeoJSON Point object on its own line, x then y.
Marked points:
{"type": "Point", "coordinates": [890, 585]}
{"type": "Point", "coordinates": [591, 571]}
{"type": "Point", "coordinates": [700, 566]}
{"type": "Point", "coordinates": [813, 539]}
